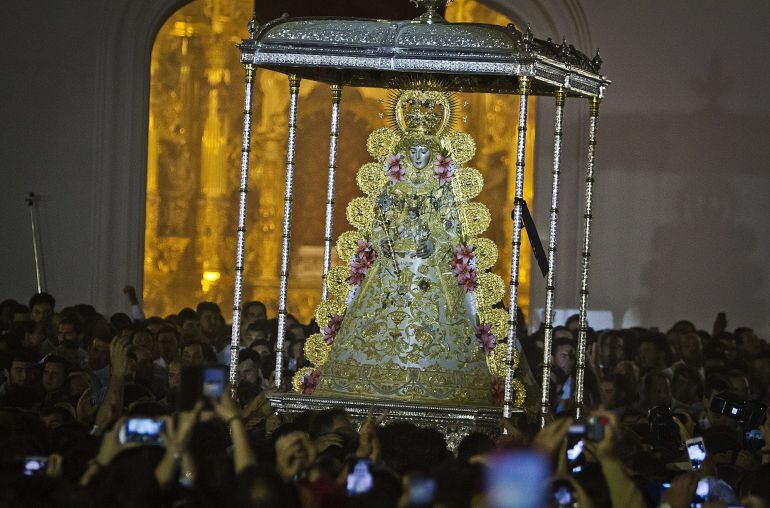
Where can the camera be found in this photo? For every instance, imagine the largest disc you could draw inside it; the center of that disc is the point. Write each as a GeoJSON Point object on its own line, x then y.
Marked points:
{"type": "Point", "coordinates": [422, 491]}
{"type": "Point", "coordinates": [592, 430]}
{"type": "Point", "coordinates": [35, 466]}
{"type": "Point", "coordinates": [360, 479]}
{"type": "Point", "coordinates": [563, 494]}
{"type": "Point", "coordinates": [142, 430]}
{"type": "Point", "coordinates": [751, 413]}
{"type": "Point", "coordinates": [754, 440]}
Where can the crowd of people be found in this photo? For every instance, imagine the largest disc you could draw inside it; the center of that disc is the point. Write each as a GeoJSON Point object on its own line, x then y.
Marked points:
{"type": "Point", "coordinates": [74, 382]}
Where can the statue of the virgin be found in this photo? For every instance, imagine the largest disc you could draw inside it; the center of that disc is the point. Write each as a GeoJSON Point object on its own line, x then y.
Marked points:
{"type": "Point", "coordinates": [413, 315]}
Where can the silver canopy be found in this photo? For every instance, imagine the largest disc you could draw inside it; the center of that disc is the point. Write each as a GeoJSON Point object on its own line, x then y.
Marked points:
{"type": "Point", "coordinates": [469, 57]}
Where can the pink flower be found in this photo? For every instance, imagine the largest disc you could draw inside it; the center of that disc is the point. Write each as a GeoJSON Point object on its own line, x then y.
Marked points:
{"type": "Point", "coordinates": [364, 246]}
{"type": "Point", "coordinates": [467, 280]}
{"type": "Point", "coordinates": [444, 162]}
{"type": "Point", "coordinates": [331, 329]}
{"type": "Point", "coordinates": [465, 253]}
{"type": "Point", "coordinates": [357, 274]}
{"type": "Point", "coordinates": [486, 338]}
{"type": "Point", "coordinates": [393, 160]}
{"type": "Point", "coordinates": [309, 382]}
{"type": "Point", "coordinates": [362, 261]}
{"type": "Point", "coordinates": [394, 167]}
{"type": "Point", "coordinates": [459, 267]}
{"type": "Point", "coordinates": [443, 169]}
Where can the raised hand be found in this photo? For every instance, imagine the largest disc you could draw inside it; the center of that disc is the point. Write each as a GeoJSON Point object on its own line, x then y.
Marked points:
{"type": "Point", "coordinates": [294, 454]}
{"type": "Point", "coordinates": [177, 434]}
{"type": "Point", "coordinates": [256, 411]}
{"type": "Point", "coordinates": [225, 407]}
{"type": "Point", "coordinates": [605, 449]}
{"type": "Point", "coordinates": [119, 356]}
{"type": "Point", "coordinates": [54, 467]}
{"type": "Point", "coordinates": [85, 410]}
{"type": "Point", "coordinates": [551, 437]}
{"type": "Point", "coordinates": [681, 492]}
{"type": "Point", "coordinates": [130, 292]}
{"type": "Point", "coordinates": [111, 445]}
{"type": "Point", "coordinates": [368, 441]}
{"type": "Point", "coordinates": [327, 440]}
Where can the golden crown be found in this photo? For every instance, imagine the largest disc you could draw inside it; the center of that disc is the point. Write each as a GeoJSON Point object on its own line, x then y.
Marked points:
{"type": "Point", "coordinates": [424, 112]}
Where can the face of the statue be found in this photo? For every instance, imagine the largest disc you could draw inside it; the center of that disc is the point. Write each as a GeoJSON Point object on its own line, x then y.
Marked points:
{"type": "Point", "coordinates": [419, 155]}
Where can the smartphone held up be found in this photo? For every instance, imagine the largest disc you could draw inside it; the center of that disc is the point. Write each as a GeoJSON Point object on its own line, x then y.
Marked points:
{"type": "Point", "coordinates": [201, 382]}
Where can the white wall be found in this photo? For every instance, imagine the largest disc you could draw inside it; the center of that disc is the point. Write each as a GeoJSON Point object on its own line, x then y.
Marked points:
{"type": "Point", "coordinates": [74, 88]}
{"type": "Point", "coordinates": [682, 182]}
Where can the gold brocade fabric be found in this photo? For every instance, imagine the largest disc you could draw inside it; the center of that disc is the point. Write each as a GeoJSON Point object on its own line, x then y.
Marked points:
{"type": "Point", "coordinates": [408, 332]}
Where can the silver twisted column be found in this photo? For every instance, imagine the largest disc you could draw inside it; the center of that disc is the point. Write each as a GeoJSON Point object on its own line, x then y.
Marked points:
{"type": "Point", "coordinates": [586, 254]}
{"type": "Point", "coordinates": [551, 277]}
{"type": "Point", "coordinates": [513, 341]}
{"type": "Point", "coordinates": [328, 229]}
{"type": "Point", "coordinates": [285, 239]}
{"type": "Point", "coordinates": [235, 337]}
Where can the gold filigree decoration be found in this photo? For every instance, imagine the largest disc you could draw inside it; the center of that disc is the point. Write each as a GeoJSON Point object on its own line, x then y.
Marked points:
{"type": "Point", "coordinates": [497, 319]}
{"type": "Point", "coordinates": [520, 393]}
{"type": "Point", "coordinates": [381, 143]}
{"type": "Point", "coordinates": [317, 350]}
{"type": "Point", "coordinates": [347, 244]}
{"type": "Point", "coordinates": [467, 183]}
{"type": "Point", "coordinates": [337, 282]}
{"type": "Point", "coordinates": [327, 309]}
{"type": "Point", "coordinates": [486, 253]}
{"type": "Point", "coordinates": [489, 290]}
{"type": "Point", "coordinates": [474, 218]}
{"type": "Point", "coordinates": [461, 146]}
{"type": "Point", "coordinates": [496, 359]}
{"type": "Point", "coordinates": [296, 381]}
{"type": "Point", "coordinates": [371, 178]}
{"type": "Point", "coordinates": [360, 213]}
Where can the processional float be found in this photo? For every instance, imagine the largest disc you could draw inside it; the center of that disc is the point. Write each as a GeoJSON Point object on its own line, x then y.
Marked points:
{"type": "Point", "coordinates": [413, 322]}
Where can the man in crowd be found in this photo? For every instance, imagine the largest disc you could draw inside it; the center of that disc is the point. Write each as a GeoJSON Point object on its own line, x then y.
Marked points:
{"type": "Point", "coordinates": [53, 377]}
{"type": "Point", "coordinates": [19, 389]}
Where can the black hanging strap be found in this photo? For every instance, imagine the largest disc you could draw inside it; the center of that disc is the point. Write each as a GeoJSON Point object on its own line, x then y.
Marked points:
{"type": "Point", "coordinates": [534, 238]}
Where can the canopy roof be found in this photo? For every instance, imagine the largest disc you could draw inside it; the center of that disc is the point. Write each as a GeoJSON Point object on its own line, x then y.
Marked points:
{"type": "Point", "coordinates": [470, 57]}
